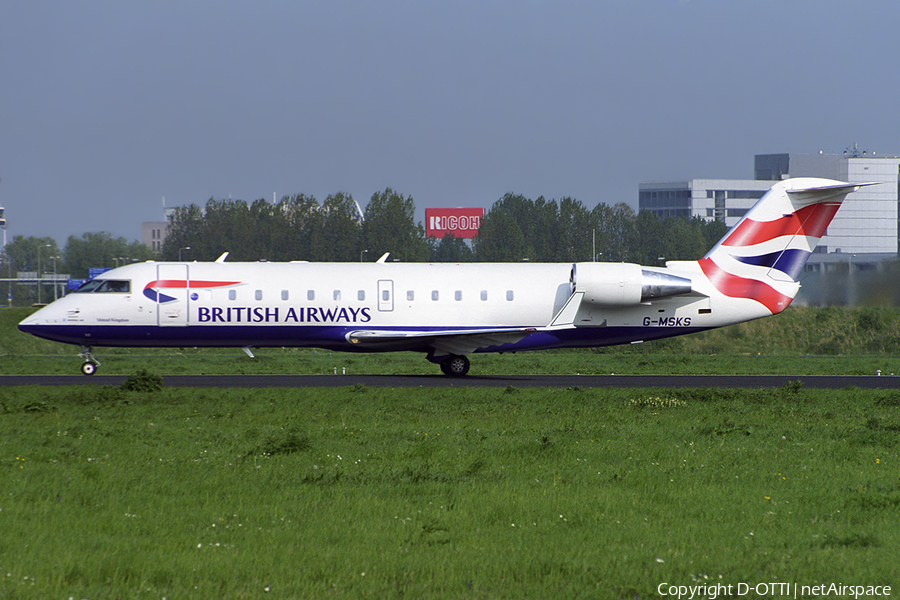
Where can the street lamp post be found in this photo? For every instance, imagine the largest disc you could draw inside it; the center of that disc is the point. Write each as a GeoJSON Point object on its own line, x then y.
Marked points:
{"type": "Point", "coordinates": [179, 252]}
{"type": "Point", "coordinates": [361, 255]}
{"type": "Point", "coordinates": [39, 275]}
{"type": "Point", "coordinates": [55, 283]}
{"type": "Point", "coordinates": [9, 288]}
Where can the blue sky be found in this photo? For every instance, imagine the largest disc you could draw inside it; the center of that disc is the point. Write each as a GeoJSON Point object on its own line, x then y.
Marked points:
{"type": "Point", "coordinates": [107, 107]}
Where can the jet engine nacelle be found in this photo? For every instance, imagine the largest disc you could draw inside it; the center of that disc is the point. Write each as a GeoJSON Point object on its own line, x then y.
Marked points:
{"type": "Point", "coordinates": [624, 284]}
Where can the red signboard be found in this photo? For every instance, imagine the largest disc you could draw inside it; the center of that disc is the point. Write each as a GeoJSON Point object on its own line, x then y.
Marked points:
{"type": "Point", "coordinates": [461, 222]}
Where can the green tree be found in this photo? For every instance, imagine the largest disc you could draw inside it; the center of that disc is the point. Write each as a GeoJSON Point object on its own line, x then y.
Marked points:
{"type": "Point", "coordinates": [31, 253]}
{"type": "Point", "coordinates": [101, 250]}
{"type": "Point", "coordinates": [687, 238]}
{"type": "Point", "coordinates": [302, 219]}
{"type": "Point", "coordinates": [264, 223]}
{"type": "Point", "coordinates": [226, 227]}
{"type": "Point", "coordinates": [500, 239]}
{"type": "Point", "coordinates": [652, 245]}
{"type": "Point", "coordinates": [615, 232]}
{"type": "Point", "coordinates": [450, 249]}
{"type": "Point", "coordinates": [502, 235]}
{"type": "Point", "coordinates": [187, 225]}
{"type": "Point", "coordinates": [671, 238]}
{"type": "Point", "coordinates": [338, 237]}
{"type": "Point", "coordinates": [296, 228]}
{"type": "Point", "coordinates": [516, 228]}
{"type": "Point", "coordinates": [573, 236]}
{"type": "Point", "coordinates": [389, 226]}
{"type": "Point", "coordinates": [712, 232]}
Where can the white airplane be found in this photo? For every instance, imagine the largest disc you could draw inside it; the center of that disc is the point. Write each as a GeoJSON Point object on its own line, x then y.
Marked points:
{"type": "Point", "coordinates": [449, 311]}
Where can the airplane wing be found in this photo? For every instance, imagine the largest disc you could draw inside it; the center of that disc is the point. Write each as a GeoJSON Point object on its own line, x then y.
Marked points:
{"type": "Point", "coordinates": [455, 341]}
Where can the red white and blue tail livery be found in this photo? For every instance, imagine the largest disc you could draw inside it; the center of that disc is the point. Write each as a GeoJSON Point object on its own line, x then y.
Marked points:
{"type": "Point", "coordinates": [450, 311]}
{"type": "Point", "coordinates": [762, 256]}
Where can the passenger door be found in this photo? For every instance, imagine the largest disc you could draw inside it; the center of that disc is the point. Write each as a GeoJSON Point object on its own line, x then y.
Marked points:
{"type": "Point", "coordinates": [385, 295]}
{"type": "Point", "coordinates": [172, 290]}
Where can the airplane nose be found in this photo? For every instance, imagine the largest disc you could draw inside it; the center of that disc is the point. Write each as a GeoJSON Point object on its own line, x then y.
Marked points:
{"type": "Point", "coordinates": [30, 323]}
{"type": "Point", "coordinates": [34, 321]}
{"type": "Point", "coordinates": [48, 323]}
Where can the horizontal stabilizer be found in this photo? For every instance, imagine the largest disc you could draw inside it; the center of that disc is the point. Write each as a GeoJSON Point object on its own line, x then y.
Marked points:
{"type": "Point", "coordinates": [811, 195]}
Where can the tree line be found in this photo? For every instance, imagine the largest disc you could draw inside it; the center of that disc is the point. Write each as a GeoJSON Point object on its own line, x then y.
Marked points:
{"type": "Point", "coordinates": [514, 229]}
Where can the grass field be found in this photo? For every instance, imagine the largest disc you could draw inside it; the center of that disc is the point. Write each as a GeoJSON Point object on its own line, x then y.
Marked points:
{"type": "Point", "coordinates": [455, 493]}
{"type": "Point", "coordinates": [459, 493]}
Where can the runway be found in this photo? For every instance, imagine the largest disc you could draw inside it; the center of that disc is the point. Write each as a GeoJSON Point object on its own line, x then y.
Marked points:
{"type": "Point", "coordinates": [830, 382]}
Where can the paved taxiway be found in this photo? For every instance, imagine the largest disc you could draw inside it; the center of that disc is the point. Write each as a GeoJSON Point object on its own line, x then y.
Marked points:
{"type": "Point", "coordinates": [551, 381]}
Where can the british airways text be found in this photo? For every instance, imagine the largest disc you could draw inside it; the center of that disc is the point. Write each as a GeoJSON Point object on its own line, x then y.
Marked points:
{"type": "Point", "coordinates": [304, 314]}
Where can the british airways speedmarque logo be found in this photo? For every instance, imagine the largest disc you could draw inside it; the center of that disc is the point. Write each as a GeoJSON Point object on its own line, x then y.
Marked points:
{"type": "Point", "coordinates": [153, 289]}
{"type": "Point", "coordinates": [740, 267]}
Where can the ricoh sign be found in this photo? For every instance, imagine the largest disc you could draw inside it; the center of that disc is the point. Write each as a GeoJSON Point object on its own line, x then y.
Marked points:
{"type": "Point", "coordinates": [461, 222]}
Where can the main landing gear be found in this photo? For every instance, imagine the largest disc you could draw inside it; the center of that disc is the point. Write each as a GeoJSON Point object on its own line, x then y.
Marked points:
{"type": "Point", "coordinates": [90, 363]}
{"type": "Point", "coordinates": [455, 365]}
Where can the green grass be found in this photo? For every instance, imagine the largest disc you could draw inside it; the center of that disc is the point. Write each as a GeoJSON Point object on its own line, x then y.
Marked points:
{"type": "Point", "coordinates": [455, 493]}
{"type": "Point", "coordinates": [800, 341]}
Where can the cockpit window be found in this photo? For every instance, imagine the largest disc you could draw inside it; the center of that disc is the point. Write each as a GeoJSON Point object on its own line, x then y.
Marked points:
{"type": "Point", "coordinates": [101, 286]}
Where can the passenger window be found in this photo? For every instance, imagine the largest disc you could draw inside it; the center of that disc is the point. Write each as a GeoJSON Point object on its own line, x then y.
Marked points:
{"type": "Point", "coordinates": [258, 295]}
{"type": "Point", "coordinates": [434, 295]}
{"type": "Point", "coordinates": [310, 295]}
{"type": "Point", "coordinates": [509, 295]}
{"type": "Point", "coordinates": [484, 294]}
{"type": "Point", "coordinates": [361, 295]}
{"type": "Point", "coordinates": [337, 294]}
{"type": "Point", "coordinates": [410, 295]}
{"type": "Point", "coordinates": [232, 294]}
{"type": "Point", "coordinates": [284, 295]}
{"type": "Point", "coordinates": [457, 295]}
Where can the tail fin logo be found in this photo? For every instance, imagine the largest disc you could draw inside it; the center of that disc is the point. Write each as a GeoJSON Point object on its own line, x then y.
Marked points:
{"type": "Point", "coordinates": [784, 244]}
{"type": "Point", "coordinates": [762, 257]}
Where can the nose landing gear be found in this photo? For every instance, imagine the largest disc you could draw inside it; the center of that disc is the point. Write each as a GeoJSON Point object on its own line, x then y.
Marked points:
{"type": "Point", "coordinates": [90, 365]}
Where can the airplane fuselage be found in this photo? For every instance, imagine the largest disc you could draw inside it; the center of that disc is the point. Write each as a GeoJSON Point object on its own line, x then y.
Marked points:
{"type": "Point", "coordinates": [319, 304]}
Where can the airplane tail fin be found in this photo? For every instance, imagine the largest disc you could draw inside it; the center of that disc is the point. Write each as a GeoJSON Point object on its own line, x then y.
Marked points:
{"type": "Point", "coordinates": [762, 256]}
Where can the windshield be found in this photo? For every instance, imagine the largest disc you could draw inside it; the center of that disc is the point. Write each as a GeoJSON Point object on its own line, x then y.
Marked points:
{"type": "Point", "coordinates": [99, 286]}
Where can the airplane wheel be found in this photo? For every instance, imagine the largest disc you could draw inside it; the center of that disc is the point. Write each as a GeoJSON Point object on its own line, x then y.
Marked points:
{"type": "Point", "coordinates": [88, 368]}
{"type": "Point", "coordinates": [455, 366]}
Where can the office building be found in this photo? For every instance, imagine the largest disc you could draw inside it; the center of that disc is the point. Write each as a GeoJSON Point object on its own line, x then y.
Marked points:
{"type": "Point", "coordinates": [867, 223]}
